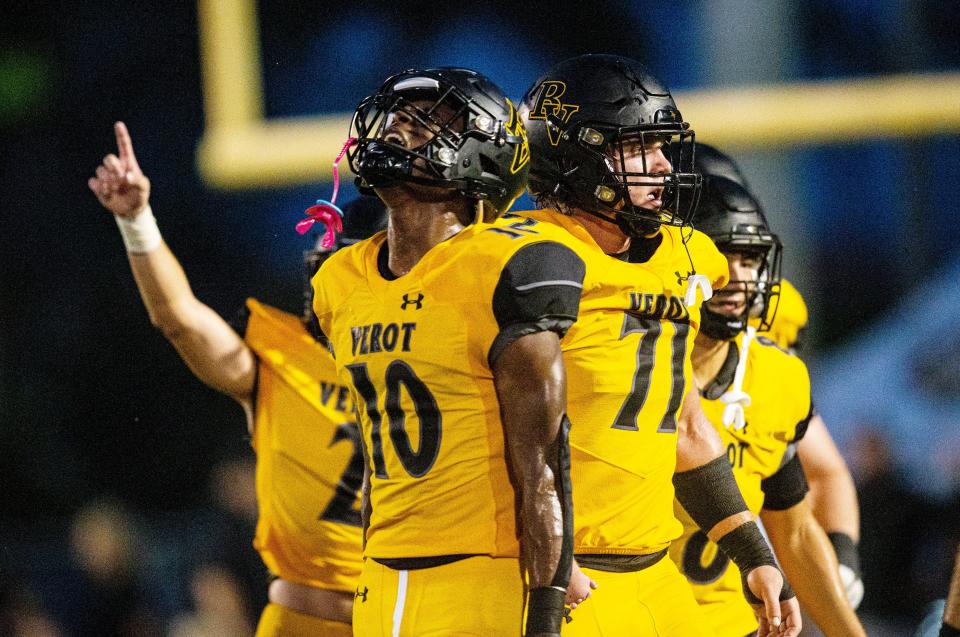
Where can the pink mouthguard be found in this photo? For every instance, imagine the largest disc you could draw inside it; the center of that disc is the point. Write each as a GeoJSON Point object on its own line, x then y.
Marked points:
{"type": "Point", "coordinates": [327, 212]}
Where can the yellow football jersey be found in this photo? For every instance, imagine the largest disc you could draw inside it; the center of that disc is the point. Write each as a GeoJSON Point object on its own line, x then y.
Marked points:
{"type": "Point", "coordinates": [791, 317]}
{"type": "Point", "coordinates": [416, 351]}
{"type": "Point", "coordinates": [309, 459]}
{"type": "Point", "coordinates": [628, 368]}
{"type": "Point", "coordinates": [776, 416]}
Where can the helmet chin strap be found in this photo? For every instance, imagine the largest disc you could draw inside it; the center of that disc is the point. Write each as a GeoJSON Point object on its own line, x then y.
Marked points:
{"type": "Point", "coordinates": [384, 166]}
{"type": "Point", "coordinates": [718, 326]}
{"type": "Point", "coordinates": [637, 228]}
{"type": "Point", "coordinates": [633, 228]}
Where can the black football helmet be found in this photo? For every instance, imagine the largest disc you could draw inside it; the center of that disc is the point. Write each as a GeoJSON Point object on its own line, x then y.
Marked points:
{"type": "Point", "coordinates": [733, 218]}
{"type": "Point", "coordinates": [578, 117]}
{"type": "Point", "coordinates": [712, 163]}
{"type": "Point", "coordinates": [475, 144]}
{"type": "Point", "coordinates": [362, 218]}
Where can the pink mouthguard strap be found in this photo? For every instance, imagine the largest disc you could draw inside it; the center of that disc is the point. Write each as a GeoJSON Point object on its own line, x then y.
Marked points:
{"type": "Point", "coordinates": [327, 212]}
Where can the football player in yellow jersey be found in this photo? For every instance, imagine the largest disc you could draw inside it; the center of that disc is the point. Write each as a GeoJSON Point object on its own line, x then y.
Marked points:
{"type": "Point", "coordinates": [448, 330]}
{"type": "Point", "coordinates": [309, 465]}
{"type": "Point", "coordinates": [599, 127]}
{"type": "Point", "coordinates": [833, 496]}
{"type": "Point", "coordinates": [789, 319]}
{"type": "Point", "coordinates": [758, 398]}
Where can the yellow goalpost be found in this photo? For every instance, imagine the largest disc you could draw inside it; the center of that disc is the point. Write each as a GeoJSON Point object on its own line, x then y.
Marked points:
{"type": "Point", "coordinates": [241, 149]}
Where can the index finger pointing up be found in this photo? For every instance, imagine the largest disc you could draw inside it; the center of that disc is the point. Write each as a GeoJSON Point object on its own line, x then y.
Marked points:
{"type": "Point", "coordinates": [125, 146]}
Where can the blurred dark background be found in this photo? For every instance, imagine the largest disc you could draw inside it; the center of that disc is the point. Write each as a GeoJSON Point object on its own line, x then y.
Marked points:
{"type": "Point", "coordinates": [101, 424]}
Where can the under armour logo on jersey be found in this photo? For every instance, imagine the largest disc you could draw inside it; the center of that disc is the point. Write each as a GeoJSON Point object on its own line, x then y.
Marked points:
{"type": "Point", "coordinates": [362, 594]}
{"type": "Point", "coordinates": [408, 301]}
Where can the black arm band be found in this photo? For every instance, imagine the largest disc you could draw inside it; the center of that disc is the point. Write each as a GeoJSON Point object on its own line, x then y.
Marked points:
{"type": "Point", "coordinates": [748, 549]}
{"type": "Point", "coordinates": [949, 631]}
{"type": "Point", "coordinates": [786, 488]}
{"type": "Point", "coordinates": [545, 610]}
{"type": "Point", "coordinates": [709, 493]}
{"type": "Point", "coordinates": [515, 331]}
{"type": "Point", "coordinates": [846, 550]}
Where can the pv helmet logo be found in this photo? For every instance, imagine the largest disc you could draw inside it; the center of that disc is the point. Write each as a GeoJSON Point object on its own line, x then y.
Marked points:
{"type": "Point", "coordinates": [549, 108]}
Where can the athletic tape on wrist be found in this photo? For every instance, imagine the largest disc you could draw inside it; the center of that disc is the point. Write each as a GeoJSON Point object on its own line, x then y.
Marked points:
{"type": "Point", "coordinates": [140, 233]}
{"type": "Point", "coordinates": [709, 493]}
{"type": "Point", "coordinates": [545, 610]}
{"type": "Point", "coordinates": [748, 549]}
{"type": "Point", "coordinates": [785, 593]}
{"type": "Point", "coordinates": [846, 550]}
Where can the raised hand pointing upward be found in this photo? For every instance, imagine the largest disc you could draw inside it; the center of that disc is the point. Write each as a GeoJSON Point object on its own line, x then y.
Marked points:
{"type": "Point", "coordinates": [119, 183]}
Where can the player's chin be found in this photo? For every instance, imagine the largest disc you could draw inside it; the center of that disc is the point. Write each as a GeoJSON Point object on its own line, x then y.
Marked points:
{"type": "Point", "coordinates": [402, 191]}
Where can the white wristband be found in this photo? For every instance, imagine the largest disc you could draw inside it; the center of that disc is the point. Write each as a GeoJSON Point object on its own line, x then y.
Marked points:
{"type": "Point", "coordinates": [140, 234]}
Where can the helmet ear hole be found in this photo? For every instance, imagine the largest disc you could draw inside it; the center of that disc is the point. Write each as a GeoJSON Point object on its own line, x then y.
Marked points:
{"type": "Point", "coordinates": [487, 165]}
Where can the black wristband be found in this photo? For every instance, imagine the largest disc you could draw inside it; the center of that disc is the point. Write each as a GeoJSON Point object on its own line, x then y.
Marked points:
{"type": "Point", "coordinates": [949, 631]}
{"type": "Point", "coordinates": [544, 610]}
{"type": "Point", "coordinates": [786, 592]}
{"type": "Point", "coordinates": [748, 549]}
{"type": "Point", "coordinates": [846, 550]}
{"type": "Point", "coordinates": [746, 546]}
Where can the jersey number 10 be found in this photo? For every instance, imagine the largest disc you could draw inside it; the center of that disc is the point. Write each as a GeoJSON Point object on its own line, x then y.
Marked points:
{"type": "Point", "coordinates": [398, 373]}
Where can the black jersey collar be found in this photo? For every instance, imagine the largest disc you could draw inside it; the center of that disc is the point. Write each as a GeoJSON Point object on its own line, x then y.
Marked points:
{"type": "Point", "coordinates": [719, 385]}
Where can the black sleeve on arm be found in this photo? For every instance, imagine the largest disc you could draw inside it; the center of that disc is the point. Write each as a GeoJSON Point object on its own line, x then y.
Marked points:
{"type": "Point", "coordinates": [786, 488]}
{"type": "Point", "coordinates": [539, 290]}
{"type": "Point", "coordinates": [709, 493]}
